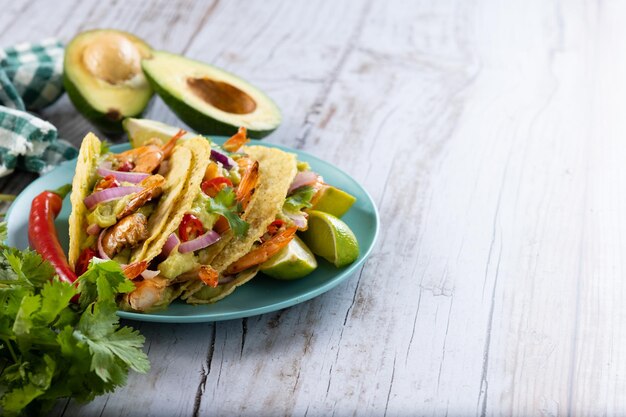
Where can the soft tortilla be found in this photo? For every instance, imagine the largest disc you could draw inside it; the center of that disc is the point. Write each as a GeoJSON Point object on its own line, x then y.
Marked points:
{"type": "Point", "coordinates": [84, 179]}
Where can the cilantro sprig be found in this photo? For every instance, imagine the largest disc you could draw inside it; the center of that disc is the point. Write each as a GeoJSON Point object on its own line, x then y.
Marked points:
{"type": "Point", "coordinates": [225, 203]}
{"type": "Point", "coordinates": [52, 348]}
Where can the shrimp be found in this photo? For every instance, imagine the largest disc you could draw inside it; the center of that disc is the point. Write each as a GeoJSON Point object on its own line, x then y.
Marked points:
{"type": "Point", "coordinates": [147, 158]}
{"type": "Point", "coordinates": [147, 293]}
{"type": "Point", "coordinates": [128, 232]}
{"type": "Point", "coordinates": [236, 141]}
{"type": "Point", "coordinates": [135, 269]}
{"type": "Point", "coordinates": [152, 189]}
{"type": "Point", "coordinates": [208, 275]}
{"type": "Point", "coordinates": [247, 185]}
{"type": "Point", "coordinates": [263, 252]}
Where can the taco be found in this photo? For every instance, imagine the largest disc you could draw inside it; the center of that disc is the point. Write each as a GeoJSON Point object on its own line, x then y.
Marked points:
{"type": "Point", "coordinates": [120, 202]}
{"type": "Point", "coordinates": [240, 206]}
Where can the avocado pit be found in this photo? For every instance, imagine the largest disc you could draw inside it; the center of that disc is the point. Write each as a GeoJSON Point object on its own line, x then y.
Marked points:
{"type": "Point", "coordinates": [221, 95]}
{"type": "Point", "coordinates": [113, 58]}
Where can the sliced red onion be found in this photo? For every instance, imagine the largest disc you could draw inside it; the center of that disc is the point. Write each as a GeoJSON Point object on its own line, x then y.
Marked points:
{"type": "Point", "coordinates": [301, 179]}
{"type": "Point", "coordinates": [109, 194]}
{"type": "Point", "coordinates": [299, 219]}
{"type": "Point", "coordinates": [148, 274]}
{"type": "Point", "coordinates": [93, 229]}
{"type": "Point", "coordinates": [101, 252]}
{"type": "Point", "coordinates": [224, 159]}
{"type": "Point", "coordinates": [171, 242]}
{"type": "Point", "coordinates": [134, 177]}
{"type": "Point", "coordinates": [200, 242]}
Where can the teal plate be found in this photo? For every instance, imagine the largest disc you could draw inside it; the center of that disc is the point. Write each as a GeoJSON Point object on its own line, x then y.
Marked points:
{"type": "Point", "coordinates": [259, 296]}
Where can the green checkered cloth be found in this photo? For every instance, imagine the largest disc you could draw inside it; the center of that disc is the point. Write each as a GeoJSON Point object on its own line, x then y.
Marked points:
{"type": "Point", "coordinates": [31, 78]}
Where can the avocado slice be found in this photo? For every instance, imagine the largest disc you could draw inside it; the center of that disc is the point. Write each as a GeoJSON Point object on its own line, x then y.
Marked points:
{"type": "Point", "coordinates": [140, 131]}
{"type": "Point", "coordinates": [210, 100]}
{"type": "Point", "coordinates": [103, 78]}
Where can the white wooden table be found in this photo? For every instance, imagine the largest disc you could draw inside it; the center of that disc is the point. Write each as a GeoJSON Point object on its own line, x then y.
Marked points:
{"type": "Point", "coordinates": [492, 136]}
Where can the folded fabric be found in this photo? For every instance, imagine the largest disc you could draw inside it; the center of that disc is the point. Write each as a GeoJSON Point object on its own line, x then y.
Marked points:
{"type": "Point", "coordinates": [31, 77]}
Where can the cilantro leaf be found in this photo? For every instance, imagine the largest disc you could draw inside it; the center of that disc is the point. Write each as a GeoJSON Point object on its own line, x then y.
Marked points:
{"type": "Point", "coordinates": [300, 199]}
{"type": "Point", "coordinates": [113, 348]}
{"type": "Point", "coordinates": [51, 348]}
{"type": "Point", "coordinates": [55, 296]}
{"type": "Point", "coordinates": [103, 280]}
{"type": "Point", "coordinates": [26, 266]}
{"type": "Point", "coordinates": [225, 203]}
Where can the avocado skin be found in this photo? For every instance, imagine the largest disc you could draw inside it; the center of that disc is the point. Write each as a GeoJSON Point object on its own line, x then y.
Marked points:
{"type": "Point", "coordinates": [198, 121]}
{"type": "Point", "coordinates": [107, 123]}
{"type": "Point", "coordinates": [103, 121]}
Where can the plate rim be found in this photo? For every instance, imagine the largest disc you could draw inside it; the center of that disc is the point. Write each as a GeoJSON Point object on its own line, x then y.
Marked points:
{"type": "Point", "coordinates": [213, 317]}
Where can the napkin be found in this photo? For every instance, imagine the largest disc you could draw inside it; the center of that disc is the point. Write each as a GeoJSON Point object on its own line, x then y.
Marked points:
{"type": "Point", "coordinates": [31, 78]}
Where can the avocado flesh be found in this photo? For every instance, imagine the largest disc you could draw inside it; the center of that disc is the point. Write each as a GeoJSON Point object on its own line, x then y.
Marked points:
{"type": "Point", "coordinates": [208, 99]}
{"type": "Point", "coordinates": [103, 78]}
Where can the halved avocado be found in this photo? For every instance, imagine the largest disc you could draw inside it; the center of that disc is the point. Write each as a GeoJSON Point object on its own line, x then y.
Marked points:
{"type": "Point", "coordinates": [210, 100]}
{"type": "Point", "coordinates": [103, 77]}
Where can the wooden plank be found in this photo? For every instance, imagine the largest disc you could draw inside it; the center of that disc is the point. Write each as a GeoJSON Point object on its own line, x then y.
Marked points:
{"type": "Point", "coordinates": [490, 136]}
{"type": "Point", "coordinates": [289, 38]}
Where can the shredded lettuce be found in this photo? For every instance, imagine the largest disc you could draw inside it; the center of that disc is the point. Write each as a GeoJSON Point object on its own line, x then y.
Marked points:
{"type": "Point", "coordinates": [299, 200]}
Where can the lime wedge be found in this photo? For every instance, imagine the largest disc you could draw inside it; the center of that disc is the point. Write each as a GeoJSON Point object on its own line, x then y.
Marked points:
{"type": "Point", "coordinates": [334, 201]}
{"type": "Point", "coordinates": [330, 238]}
{"type": "Point", "coordinates": [292, 262]}
{"type": "Point", "coordinates": [139, 131]}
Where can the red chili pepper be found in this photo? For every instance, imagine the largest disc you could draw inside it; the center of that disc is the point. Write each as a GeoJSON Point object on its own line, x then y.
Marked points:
{"type": "Point", "coordinates": [83, 261]}
{"type": "Point", "coordinates": [42, 233]}
{"type": "Point", "coordinates": [213, 186]}
{"type": "Point", "coordinates": [190, 227]}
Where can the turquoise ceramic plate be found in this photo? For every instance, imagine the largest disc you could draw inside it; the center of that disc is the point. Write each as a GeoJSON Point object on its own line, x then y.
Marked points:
{"type": "Point", "coordinates": [262, 294]}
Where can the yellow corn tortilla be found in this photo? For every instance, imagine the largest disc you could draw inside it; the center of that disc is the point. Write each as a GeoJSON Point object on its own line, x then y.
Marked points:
{"type": "Point", "coordinates": [202, 294]}
{"type": "Point", "coordinates": [84, 179]}
{"type": "Point", "coordinates": [197, 151]}
{"type": "Point", "coordinates": [276, 172]}
{"type": "Point", "coordinates": [180, 165]}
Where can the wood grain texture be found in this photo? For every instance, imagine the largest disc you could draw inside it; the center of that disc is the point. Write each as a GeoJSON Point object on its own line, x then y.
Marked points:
{"type": "Point", "coordinates": [491, 136]}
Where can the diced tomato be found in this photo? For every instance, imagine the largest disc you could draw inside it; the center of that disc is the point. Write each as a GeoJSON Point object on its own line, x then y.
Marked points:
{"type": "Point", "coordinates": [83, 261]}
{"type": "Point", "coordinates": [126, 166]}
{"type": "Point", "coordinates": [211, 171]}
{"type": "Point", "coordinates": [221, 225]}
{"type": "Point", "coordinates": [275, 226]}
{"type": "Point", "coordinates": [190, 227]}
{"type": "Point", "coordinates": [107, 182]}
{"type": "Point", "coordinates": [213, 186]}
